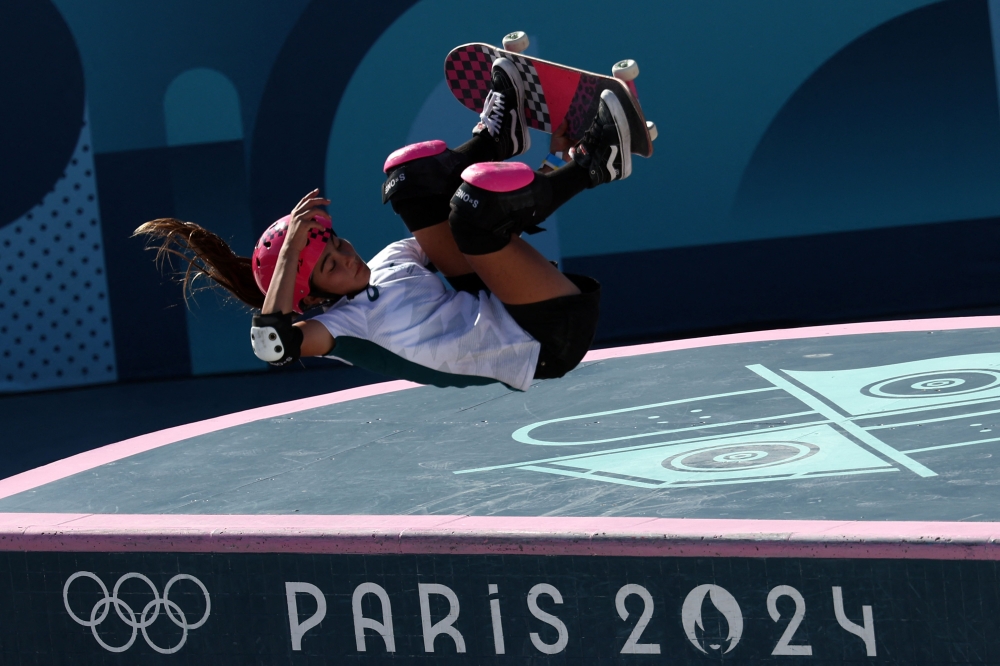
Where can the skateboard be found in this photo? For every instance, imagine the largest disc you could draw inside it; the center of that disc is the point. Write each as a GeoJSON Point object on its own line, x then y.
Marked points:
{"type": "Point", "coordinates": [552, 92]}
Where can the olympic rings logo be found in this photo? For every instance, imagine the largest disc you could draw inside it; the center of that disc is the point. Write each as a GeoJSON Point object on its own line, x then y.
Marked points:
{"type": "Point", "coordinates": [149, 613]}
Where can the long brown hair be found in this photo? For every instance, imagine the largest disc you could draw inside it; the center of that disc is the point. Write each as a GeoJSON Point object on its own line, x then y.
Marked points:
{"type": "Point", "coordinates": [205, 254]}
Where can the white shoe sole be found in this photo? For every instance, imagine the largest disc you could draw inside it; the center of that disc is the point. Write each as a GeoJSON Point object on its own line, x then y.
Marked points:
{"type": "Point", "coordinates": [624, 134]}
{"type": "Point", "coordinates": [510, 69]}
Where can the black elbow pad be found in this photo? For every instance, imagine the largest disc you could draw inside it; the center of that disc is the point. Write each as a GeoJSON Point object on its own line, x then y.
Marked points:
{"type": "Point", "coordinates": [274, 339]}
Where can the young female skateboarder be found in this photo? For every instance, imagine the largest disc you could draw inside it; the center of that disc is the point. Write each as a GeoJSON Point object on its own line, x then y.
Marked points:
{"type": "Point", "coordinates": [512, 316]}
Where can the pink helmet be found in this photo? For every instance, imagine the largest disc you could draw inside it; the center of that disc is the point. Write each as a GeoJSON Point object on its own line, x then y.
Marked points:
{"type": "Point", "coordinates": [265, 255]}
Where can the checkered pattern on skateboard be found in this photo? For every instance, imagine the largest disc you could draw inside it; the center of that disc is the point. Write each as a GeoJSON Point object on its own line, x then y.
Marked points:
{"type": "Point", "coordinates": [536, 110]}
{"type": "Point", "coordinates": [468, 69]}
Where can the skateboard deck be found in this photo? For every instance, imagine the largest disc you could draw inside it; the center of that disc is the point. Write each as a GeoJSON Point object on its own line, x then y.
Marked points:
{"type": "Point", "coordinates": [552, 92]}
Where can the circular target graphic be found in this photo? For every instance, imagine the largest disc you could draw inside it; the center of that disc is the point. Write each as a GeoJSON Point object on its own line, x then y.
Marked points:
{"type": "Point", "coordinates": [934, 384]}
{"type": "Point", "coordinates": [739, 456]}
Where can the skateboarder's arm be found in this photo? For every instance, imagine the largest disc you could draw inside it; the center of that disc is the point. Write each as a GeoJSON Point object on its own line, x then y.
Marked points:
{"type": "Point", "coordinates": [281, 292]}
{"type": "Point", "coordinates": [316, 339]}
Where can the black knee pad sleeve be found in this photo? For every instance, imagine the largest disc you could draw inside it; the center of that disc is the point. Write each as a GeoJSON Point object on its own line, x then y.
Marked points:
{"type": "Point", "coordinates": [482, 221]}
{"type": "Point", "coordinates": [476, 221]}
{"type": "Point", "coordinates": [422, 212]}
{"type": "Point", "coordinates": [419, 190]}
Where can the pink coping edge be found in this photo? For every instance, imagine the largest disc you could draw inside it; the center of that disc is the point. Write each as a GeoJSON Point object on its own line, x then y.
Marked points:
{"type": "Point", "coordinates": [466, 535]}
{"type": "Point", "coordinates": [130, 447]}
{"type": "Point", "coordinates": [475, 535]}
{"type": "Point", "coordinates": [901, 326]}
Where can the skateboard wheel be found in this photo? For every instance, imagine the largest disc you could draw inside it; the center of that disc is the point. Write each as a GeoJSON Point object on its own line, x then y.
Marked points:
{"type": "Point", "coordinates": [651, 126]}
{"type": "Point", "coordinates": [625, 70]}
{"type": "Point", "coordinates": [516, 42]}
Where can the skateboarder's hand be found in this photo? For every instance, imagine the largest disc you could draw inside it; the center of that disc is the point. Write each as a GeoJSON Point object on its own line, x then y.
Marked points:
{"type": "Point", "coordinates": [304, 218]}
{"type": "Point", "coordinates": [559, 145]}
{"type": "Point", "coordinates": [560, 142]}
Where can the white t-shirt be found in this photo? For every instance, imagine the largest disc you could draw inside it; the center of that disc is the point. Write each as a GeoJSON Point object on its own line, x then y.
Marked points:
{"type": "Point", "coordinates": [408, 311]}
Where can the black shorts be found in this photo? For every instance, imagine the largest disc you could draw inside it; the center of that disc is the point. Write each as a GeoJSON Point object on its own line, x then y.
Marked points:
{"type": "Point", "coordinates": [564, 326]}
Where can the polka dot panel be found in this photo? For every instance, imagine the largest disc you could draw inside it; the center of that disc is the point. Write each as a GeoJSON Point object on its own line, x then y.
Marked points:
{"type": "Point", "coordinates": [55, 318]}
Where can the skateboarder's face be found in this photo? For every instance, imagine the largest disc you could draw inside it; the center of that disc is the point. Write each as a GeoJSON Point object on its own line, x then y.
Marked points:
{"type": "Point", "coordinates": [340, 269]}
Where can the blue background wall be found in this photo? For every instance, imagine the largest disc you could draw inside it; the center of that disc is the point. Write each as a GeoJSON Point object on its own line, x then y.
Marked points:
{"type": "Point", "coordinates": [821, 161]}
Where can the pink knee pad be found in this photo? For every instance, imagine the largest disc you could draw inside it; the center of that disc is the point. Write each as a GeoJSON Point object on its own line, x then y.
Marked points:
{"type": "Point", "coordinates": [412, 152]}
{"type": "Point", "coordinates": [499, 176]}
{"type": "Point", "coordinates": [419, 181]}
{"type": "Point", "coordinates": [495, 201]}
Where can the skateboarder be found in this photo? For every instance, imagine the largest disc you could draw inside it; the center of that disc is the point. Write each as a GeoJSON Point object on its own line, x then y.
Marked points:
{"type": "Point", "coordinates": [512, 315]}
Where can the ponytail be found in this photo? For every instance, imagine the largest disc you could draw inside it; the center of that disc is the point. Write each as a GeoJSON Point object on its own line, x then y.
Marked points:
{"type": "Point", "coordinates": [212, 257]}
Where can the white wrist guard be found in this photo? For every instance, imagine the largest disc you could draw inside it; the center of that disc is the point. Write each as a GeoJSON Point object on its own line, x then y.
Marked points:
{"type": "Point", "coordinates": [274, 339]}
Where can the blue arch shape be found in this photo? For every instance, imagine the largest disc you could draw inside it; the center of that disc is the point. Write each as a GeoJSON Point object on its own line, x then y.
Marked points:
{"type": "Point", "coordinates": [899, 127]}
{"type": "Point", "coordinates": [288, 153]}
{"type": "Point", "coordinates": [202, 105]}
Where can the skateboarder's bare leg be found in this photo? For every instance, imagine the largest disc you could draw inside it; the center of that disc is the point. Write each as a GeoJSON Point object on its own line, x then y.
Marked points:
{"type": "Point", "coordinates": [514, 199]}
{"type": "Point", "coordinates": [438, 241]}
{"type": "Point", "coordinates": [424, 211]}
{"type": "Point", "coordinates": [439, 245]}
{"type": "Point", "coordinates": [496, 202]}
{"type": "Point", "coordinates": [420, 179]}
{"type": "Point", "coordinates": [518, 274]}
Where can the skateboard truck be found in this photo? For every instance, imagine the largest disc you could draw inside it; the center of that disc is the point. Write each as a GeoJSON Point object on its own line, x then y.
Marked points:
{"type": "Point", "coordinates": [627, 71]}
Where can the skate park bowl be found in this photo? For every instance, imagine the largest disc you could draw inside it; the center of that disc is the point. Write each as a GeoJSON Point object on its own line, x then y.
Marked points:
{"type": "Point", "coordinates": [825, 492]}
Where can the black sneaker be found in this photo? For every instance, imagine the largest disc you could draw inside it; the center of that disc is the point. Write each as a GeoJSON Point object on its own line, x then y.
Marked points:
{"type": "Point", "coordinates": [605, 150]}
{"type": "Point", "coordinates": [503, 112]}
